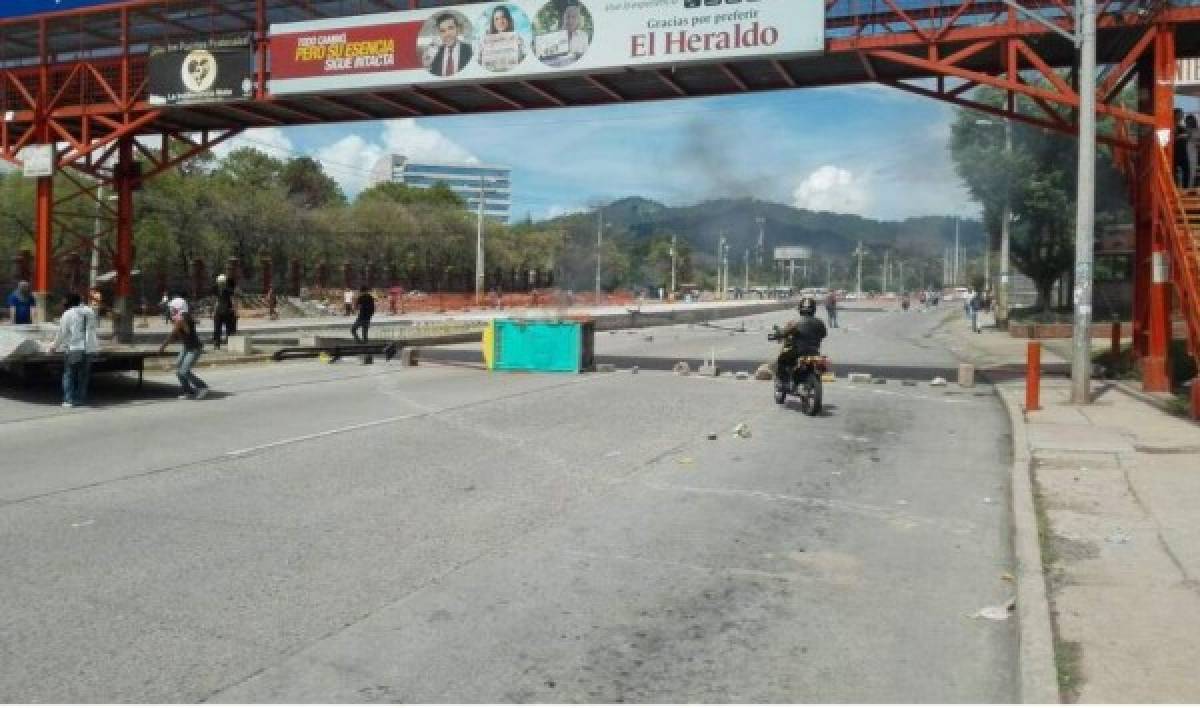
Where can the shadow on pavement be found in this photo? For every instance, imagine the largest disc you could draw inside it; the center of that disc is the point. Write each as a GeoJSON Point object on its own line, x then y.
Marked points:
{"type": "Point", "coordinates": [103, 389]}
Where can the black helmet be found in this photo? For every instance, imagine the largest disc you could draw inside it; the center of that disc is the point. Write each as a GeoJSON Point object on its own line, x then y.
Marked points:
{"type": "Point", "coordinates": [807, 306]}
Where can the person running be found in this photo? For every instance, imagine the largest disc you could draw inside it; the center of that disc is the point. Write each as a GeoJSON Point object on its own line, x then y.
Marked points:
{"type": "Point", "coordinates": [185, 331]}
{"type": "Point", "coordinates": [365, 306]}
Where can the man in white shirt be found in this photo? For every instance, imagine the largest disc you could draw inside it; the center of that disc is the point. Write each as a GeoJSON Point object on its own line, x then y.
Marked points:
{"type": "Point", "coordinates": [454, 53]}
{"type": "Point", "coordinates": [77, 339]}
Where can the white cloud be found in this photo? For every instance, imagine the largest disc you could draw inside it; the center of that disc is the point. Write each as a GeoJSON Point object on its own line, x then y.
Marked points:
{"type": "Point", "coordinates": [351, 159]}
{"type": "Point", "coordinates": [410, 138]}
{"type": "Point", "coordinates": [832, 188]}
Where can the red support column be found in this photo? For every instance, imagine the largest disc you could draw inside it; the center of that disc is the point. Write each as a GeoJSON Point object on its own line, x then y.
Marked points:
{"type": "Point", "coordinates": [1158, 302]}
{"type": "Point", "coordinates": [1143, 213]}
{"type": "Point", "coordinates": [124, 178]}
{"type": "Point", "coordinates": [43, 253]}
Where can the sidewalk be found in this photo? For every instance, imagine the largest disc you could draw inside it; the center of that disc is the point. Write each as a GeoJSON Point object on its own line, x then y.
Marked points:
{"type": "Point", "coordinates": [1116, 493]}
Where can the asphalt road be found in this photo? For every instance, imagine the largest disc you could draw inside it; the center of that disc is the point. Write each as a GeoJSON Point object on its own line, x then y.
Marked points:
{"type": "Point", "coordinates": [349, 533]}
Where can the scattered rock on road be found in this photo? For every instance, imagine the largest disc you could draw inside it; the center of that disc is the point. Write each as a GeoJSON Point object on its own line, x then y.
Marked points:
{"type": "Point", "coordinates": [742, 430]}
{"type": "Point", "coordinates": [938, 381]}
{"type": "Point", "coordinates": [764, 373]}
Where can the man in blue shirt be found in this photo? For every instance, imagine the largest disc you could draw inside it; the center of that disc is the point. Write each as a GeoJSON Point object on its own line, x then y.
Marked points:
{"type": "Point", "coordinates": [20, 304]}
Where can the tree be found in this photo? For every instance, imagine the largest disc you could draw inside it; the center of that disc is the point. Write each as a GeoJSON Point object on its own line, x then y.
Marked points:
{"type": "Point", "coordinates": [308, 185]}
{"type": "Point", "coordinates": [1037, 178]}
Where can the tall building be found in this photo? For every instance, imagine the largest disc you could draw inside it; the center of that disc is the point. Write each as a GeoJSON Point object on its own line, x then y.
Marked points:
{"type": "Point", "coordinates": [463, 179]}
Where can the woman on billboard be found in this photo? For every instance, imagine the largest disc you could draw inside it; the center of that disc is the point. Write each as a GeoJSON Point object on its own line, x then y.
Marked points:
{"type": "Point", "coordinates": [503, 45]}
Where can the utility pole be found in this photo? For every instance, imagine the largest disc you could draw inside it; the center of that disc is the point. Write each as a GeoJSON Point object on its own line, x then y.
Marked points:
{"type": "Point", "coordinates": [599, 244]}
{"type": "Point", "coordinates": [94, 268]}
{"type": "Point", "coordinates": [956, 252]}
{"type": "Point", "coordinates": [1085, 203]}
{"type": "Point", "coordinates": [761, 239]}
{"type": "Point", "coordinates": [1005, 218]}
{"type": "Point", "coordinates": [479, 274]}
{"type": "Point", "coordinates": [829, 274]}
{"type": "Point", "coordinates": [720, 269]}
{"type": "Point", "coordinates": [673, 261]}
{"type": "Point", "coordinates": [859, 252]}
{"type": "Point", "coordinates": [886, 255]}
{"type": "Point", "coordinates": [746, 277]}
{"type": "Point", "coordinates": [725, 266]}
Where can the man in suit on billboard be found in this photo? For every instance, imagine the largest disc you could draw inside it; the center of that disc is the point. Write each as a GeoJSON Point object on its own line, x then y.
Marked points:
{"type": "Point", "coordinates": [454, 53]}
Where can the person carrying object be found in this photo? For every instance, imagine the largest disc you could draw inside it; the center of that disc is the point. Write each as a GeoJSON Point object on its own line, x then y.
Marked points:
{"type": "Point", "coordinates": [185, 331]}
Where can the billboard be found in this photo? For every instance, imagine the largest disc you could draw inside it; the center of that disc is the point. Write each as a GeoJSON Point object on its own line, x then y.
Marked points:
{"type": "Point", "coordinates": [24, 8]}
{"type": "Point", "coordinates": [793, 253]}
{"type": "Point", "coordinates": [522, 39]}
{"type": "Point", "coordinates": [187, 72]}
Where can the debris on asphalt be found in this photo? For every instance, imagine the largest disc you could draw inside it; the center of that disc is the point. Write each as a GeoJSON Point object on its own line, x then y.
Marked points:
{"type": "Point", "coordinates": [764, 373]}
{"type": "Point", "coordinates": [614, 453]}
{"type": "Point", "coordinates": [998, 612]}
{"type": "Point", "coordinates": [682, 369]}
{"type": "Point", "coordinates": [742, 376]}
{"type": "Point", "coordinates": [938, 381]}
{"type": "Point", "coordinates": [81, 524]}
{"type": "Point", "coordinates": [742, 430]}
{"type": "Point", "coordinates": [908, 383]}
{"type": "Point", "coordinates": [686, 461]}
{"type": "Point", "coordinates": [712, 436]}
{"type": "Point", "coordinates": [989, 500]}
{"type": "Point", "coordinates": [856, 377]}
{"type": "Point", "coordinates": [902, 502]}
{"type": "Point", "coordinates": [1008, 577]}
{"type": "Point", "coordinates": [1118, 537]}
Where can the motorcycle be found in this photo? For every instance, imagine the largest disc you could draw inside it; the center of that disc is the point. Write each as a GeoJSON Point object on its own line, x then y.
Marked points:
{"type": "Point", "coordinates": [804, 381]}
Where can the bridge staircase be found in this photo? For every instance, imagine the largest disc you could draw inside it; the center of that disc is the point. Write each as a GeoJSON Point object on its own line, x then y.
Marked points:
{"type": "Point", "coordinates": [1181, 220]}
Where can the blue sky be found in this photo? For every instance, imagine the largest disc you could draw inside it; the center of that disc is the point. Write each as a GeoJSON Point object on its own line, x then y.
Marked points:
{"type": "Point", "coordinates": [867, 150]}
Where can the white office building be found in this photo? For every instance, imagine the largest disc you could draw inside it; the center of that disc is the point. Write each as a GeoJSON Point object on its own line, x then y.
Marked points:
{"type": "Point", "coordinates": [465, 180]}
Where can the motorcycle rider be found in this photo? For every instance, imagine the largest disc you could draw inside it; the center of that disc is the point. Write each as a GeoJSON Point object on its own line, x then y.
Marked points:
{"type": "Point", "coordinates": [801, 337]}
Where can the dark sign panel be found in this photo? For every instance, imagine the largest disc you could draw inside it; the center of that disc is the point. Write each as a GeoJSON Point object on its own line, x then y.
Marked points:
{"type": "Point", "coordinates": [23, 8]}
{"type": "Point", "coordinates": [201, 71]}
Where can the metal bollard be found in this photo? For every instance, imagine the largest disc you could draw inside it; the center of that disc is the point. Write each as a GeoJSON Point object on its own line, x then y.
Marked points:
{"type": "Point", "coordinates": [1033, 377]}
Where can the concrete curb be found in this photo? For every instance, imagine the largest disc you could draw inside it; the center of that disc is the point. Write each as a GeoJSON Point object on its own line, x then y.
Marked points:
{"type": "Point", "coordinates": [1148, 398]}
{"type": "Point", "coordinates": [1035, 660]}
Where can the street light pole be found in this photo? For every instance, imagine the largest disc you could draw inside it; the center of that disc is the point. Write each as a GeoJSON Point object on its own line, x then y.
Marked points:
{"type": "Point", "coordinates": [1005, 218]}
{"type": "Point", "coordinates": [1085, 215]}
